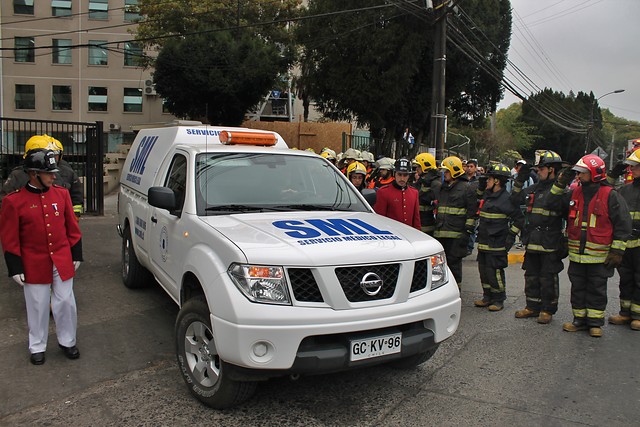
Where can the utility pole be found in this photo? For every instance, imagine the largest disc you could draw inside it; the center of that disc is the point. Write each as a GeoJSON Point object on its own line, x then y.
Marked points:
{"type": "Point", "coordinates": [438, 110]}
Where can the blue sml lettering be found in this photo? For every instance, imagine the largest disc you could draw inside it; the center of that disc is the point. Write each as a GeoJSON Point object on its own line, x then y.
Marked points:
{"type": "Point", "coordinates": [142, 154]}
{"type": "Point", "coordinates": [336, 227]}
{"type": "Point", "coordinates": [329, 227]}
{"type": "Point", "coordinates": [299, 232]}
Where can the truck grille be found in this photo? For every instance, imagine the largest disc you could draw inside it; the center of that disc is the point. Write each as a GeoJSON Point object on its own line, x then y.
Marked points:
{"type": "Point", "coordinates": [304, 285]}
{"type": "Point", "coordinates": [350, 278]}
{"type": "Point", "coordinates": [419, 280]}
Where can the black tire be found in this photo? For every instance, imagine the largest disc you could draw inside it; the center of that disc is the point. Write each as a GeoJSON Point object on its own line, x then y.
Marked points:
{"type": "Point", "coordinates": [202, 369]}
{"type": "Point", "coordinates": [134, 275]}
{"type": "Point", "coordinates": [415, 360]}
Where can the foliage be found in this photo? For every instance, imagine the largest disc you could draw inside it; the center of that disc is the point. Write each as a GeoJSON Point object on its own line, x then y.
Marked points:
{"type": "Point", "coordinates": [568, 144]}
{"type": "Point", "coordinates": [217, 59]}
{"type": "Point", "coordinates": [375, 66]}
{"type": "Point", "coordinates": [217, 75]}
{"type": "Point", "coordinates": [520, 135]}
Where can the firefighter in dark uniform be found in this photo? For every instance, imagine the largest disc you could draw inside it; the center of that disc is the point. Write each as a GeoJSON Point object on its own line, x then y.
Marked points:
{"type": "Point", "coordinates": [398, 200]}
{"type": "Point", "coordinates": [65, 177]}
{"type": "Point", "coordinates": [455, 215]}
{"type": "Point", "coordinates": [428, 186]}
{"type": "Point", "coordinates": [500, 222]}
{"type": "Point", "coordinates": [42, 247]}
{"type": "Point", "coordinates": [598, 226]}
{"type": "Point", "coordinates": [356, 173]}
{"type": "Point", "coordinates": [629, 270]}
{"type": "Point", "coordinates": [545, 245]}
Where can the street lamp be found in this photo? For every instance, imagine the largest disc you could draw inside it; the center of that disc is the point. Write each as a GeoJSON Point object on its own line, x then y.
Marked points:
{"type": "Point", "coordinates": [592, 118]}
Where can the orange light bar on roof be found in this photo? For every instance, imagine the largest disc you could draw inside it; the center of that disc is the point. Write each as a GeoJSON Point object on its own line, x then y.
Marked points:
{"type": "Point", "coordinates": [247, 138]}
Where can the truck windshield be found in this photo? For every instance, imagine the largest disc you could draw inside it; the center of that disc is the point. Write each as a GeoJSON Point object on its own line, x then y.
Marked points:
{"type": "Point", "coordinates": [252, 182]}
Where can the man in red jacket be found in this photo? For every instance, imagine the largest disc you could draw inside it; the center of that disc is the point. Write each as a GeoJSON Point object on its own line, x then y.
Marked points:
{"type": "Point", "coordinates": [42, 247]}
{"type": "Point", "coordinates": [398, 200]}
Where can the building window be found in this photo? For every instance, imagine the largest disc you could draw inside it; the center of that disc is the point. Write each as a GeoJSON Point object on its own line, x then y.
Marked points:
{"type": "Point", "coordinates": [97, 98]}
{"type": "Point", "coordinates": [132, 100]}
{"type": "Point", "coordinates": [61, 8]}
{"type": "Point", "coordinates": [98, 9]}
{"type": "Point", "coordinates": [24, 49]}
{"type": "Point", "coordinates": [25, 97]}
{"type": "Point", "coordinates": [23, 7]}
{"type": "Point", "coordinates": [132, 54]}
{"type": "Point", "coordinates": [61, 52]}
{"type": "Point", "coordinates": [97, 53]}
{"type": "Point", "coordinates": [131, 10]}
{"type": "Point", "coordinates": [165, 107]}
{"type": "Point", "coordinates": [61, 98]}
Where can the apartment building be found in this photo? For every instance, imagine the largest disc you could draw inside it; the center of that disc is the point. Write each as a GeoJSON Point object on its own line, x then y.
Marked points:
{"type": "Point", "coordinates": [76, 60]}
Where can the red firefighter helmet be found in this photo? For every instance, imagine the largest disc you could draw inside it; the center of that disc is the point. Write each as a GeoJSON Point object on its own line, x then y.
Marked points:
{"type": "Point", "coordinates": [593, 164]}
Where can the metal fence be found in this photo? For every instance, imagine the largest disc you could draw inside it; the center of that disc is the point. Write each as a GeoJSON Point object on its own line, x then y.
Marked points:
{"type": "Point", "coordinates": [84, 148]}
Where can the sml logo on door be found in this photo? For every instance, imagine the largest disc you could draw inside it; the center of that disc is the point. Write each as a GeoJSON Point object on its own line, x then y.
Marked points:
{"type": "Point", "coordinates": [315, 231]}
{"type": "Point", "coordinates": [136, 170]}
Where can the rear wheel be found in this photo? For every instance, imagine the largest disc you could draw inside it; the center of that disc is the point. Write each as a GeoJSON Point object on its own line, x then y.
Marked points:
{"type": "Point", "coordinates": [415, 360]}
{"type": "Point", "coordinates": [202, 369]}
{"type": "Point", "coordinates": [134, 275]}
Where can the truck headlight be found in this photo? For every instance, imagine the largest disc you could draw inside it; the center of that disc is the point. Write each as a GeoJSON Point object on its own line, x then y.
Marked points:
{"type": "Point", "coordinates": [438, 270]}
{"type": "Point", "coordinates": [261, 283]}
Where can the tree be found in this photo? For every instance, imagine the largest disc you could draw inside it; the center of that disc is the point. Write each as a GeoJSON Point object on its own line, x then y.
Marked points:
{"type": "Point", "coordinates": [562, 114]}
{"type": "Point", "coordinates": [375, 66]}
{"type": "Point", "coordinates": [216, 75]}
{"type": "Point", "coordinates": [217, 59]}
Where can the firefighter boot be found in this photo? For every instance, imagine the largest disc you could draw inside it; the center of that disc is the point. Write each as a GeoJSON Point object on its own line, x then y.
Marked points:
{"type": "Point", "coordinates": [620, 319]}
{"type": "Point", "coordinates": [574, 326]}
{"type": "Point", "coordinates": [545, 317]}
{"type": "Point", "coordinates": [635, 325]}
{"type": "Point", "coordinates": [496, 306]}
{"type": "Point", "coordinates": [481, 302]}
{"type": "Point", "coordinates": [526, 312]}
{"type": "Point", "coordinates": [595, 331]}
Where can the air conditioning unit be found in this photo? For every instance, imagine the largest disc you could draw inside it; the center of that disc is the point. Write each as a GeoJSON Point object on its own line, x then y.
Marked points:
{"type": "Point", "coordinates": [114, 127]}
{"type": "Point", "coordinates": [150, 88]}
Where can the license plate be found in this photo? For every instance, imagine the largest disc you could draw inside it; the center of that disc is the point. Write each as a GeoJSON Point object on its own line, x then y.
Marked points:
{"type": "Point", "coordinates": [375, 347]}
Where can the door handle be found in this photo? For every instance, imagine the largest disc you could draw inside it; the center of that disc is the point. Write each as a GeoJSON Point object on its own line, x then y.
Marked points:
{"type": "Point", "coordinates": [154, 220]}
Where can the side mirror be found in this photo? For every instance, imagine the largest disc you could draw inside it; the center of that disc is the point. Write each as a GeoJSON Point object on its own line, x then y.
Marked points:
{"type": "Point", "coordinates": [162, 198]}
{"type": "Point", "coordinates": [369, 195]}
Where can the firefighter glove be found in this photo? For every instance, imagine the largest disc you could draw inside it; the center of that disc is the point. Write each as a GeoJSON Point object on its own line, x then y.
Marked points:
{"type": "Point", "coordinates": [614, 259]}
{"type": "Point", "coordinates": [523, 173]}
{"type": "Point", "coordinates": [565, 177]}
{"type": "Point", "coordinates": [19, 279]}
{"type": "Point", "coordinates": [482, 183]}
{"type": "Point", "coordinates": [617, 170]}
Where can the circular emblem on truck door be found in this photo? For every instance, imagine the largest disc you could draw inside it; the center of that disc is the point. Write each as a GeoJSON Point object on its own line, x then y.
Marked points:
{"type": "Point", "coordinates": [371, 284]}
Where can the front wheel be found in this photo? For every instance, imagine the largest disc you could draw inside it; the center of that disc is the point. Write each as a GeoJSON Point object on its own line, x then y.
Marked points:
{"type": "Point", "coordinates": [202, 369]}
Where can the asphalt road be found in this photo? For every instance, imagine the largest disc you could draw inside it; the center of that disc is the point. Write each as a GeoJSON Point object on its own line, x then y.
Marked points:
{"type": "Point", "coordinates": [496, 370]}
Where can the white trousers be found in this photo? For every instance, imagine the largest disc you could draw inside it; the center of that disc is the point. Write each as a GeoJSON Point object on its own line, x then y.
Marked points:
{"type": "Point", "coordinates": [63, 305]}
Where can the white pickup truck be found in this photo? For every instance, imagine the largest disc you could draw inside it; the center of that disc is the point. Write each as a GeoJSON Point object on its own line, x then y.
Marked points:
{"type": "Point", "coordinates": [278, 264]}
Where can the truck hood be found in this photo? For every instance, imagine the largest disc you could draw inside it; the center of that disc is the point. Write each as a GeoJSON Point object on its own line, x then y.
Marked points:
{"type": "Point", "coordinates": [322, 238]}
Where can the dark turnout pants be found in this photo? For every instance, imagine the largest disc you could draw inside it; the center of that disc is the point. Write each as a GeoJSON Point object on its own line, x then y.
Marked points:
{"type": "Point", "coordinates": [541, 283]}
{"type": "Point", "coordinates": [630, 283]}
{"type": "Point", "coordinates": [452, 249]}
{"type": "Point", "coordinates": [491, 267]}
{"type": "Point", "coordinates": [588, 292]}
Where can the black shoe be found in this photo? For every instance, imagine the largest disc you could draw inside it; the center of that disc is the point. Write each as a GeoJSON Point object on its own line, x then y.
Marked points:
{"type": "Point", "coordinates": [70, 352]}
{"type": "Point", "coordinates": [37, 358]}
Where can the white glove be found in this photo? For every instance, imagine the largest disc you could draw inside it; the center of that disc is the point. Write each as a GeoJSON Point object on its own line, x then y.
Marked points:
{"type": "Point", "coordinates": [76, 265]}
{"type": "Point", "coordinates": [19, 278]}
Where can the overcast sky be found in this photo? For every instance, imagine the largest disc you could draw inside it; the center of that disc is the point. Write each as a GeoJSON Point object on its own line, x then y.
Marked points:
{"type": "Point", "coordinates": [579, 45]}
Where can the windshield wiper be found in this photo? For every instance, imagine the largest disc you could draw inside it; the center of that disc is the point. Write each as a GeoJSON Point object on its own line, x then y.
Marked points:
{"type": "Point", "coordinates": [241, 208]}
{"type": "Point", "coordinates": [310, 207]}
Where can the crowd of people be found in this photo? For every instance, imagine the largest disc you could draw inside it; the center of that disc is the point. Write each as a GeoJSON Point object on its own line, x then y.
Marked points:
{"type": "Point", "coordinates": [558, 210]}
